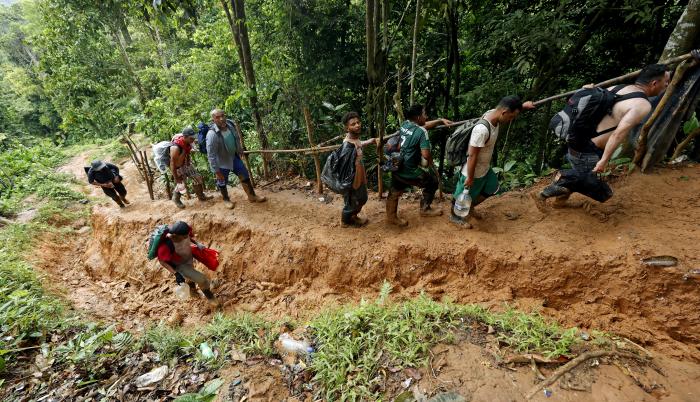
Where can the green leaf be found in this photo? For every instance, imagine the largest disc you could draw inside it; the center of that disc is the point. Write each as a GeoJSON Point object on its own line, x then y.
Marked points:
{"type": "Point", "coordinates": [508, 166]}
{"type": "Point", "coordinates": [187, 398]}
{"type": "Point", "coordinates": [328, 105]}
{"type": "Point", "coordinates": [212, 387]}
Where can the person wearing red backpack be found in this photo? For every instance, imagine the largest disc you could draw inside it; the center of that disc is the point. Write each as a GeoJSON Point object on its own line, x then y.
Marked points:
{"type": "Point", "coordinates": [590, 149]}
{"type": "Point", "coordinates": [181, 167]}
{"type": "Point", "coordinates": [175, 255]}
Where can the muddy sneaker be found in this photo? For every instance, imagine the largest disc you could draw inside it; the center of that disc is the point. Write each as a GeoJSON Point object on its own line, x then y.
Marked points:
{"type": "Point", "coordinates": [429, 212]}
{"type": "Point", "coordinates": [460, 222]}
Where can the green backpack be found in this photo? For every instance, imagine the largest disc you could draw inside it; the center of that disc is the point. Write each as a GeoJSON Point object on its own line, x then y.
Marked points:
{"type": "Point", "coordinates": [154, 240]}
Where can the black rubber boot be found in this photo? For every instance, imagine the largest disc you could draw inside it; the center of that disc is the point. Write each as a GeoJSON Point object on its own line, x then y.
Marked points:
{"type": "Point", "coordinates": [227, 201]}
{"type": "Point", "coordinates": [250, 191]}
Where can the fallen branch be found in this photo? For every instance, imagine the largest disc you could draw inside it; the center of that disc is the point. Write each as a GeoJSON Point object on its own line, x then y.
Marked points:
{"type": "Point", "coordinates": [575, 363]}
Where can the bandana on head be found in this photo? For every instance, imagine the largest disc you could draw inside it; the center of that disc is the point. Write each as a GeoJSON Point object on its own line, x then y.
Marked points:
{"type": "Point", "coordinates": [180, 141]}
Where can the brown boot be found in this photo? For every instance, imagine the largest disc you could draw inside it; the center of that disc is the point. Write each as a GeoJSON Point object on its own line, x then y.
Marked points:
{"type": "Point", "coordinates": [392, 205]}
{"type": "Point", "coordinates": [213, 301]}
{"type": "Point", "coordinates": [124, 200]}
{"type": "Point", "coordinates": [199, 190]}
{"type": "Point", "coordinates": [250, 191]}
{"type": "Point", "coordinates": [227, 201]}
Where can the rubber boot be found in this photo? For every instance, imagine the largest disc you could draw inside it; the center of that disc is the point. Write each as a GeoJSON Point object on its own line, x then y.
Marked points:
{"type": "Point", "coordinates": [213, 302]}
{"type": "Point", "coordinates": [120, 203]}
{"type": "Point", "coordinates": [359, 221]}
{"type": "Point", "coordinates": [199, 190]}
{"type": "Point", "coordinates": [250, 191]}
{"type": "Point", "coordinates": [124, 200]}
{"type": "Point", "coordinates": [193, 290]}
{"type": "Point", "coordinates": [227, 201]}
{"type": "Point", "coordinates": [176, 199]}
{"type": "Point", "coordinates": [392, 205]}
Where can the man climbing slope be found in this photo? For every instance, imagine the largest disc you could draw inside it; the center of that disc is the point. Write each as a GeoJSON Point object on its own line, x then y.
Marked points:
{"type": "Point", "coordinates": [590, 150]}
{"type": "Point", "coordinates": [175, 255]}
{"type": "Point", "coordinates": [106, 176]}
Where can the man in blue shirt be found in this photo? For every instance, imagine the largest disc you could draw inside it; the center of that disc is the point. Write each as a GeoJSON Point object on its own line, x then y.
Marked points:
{"type": "Point", "coordinates": [224, 151]}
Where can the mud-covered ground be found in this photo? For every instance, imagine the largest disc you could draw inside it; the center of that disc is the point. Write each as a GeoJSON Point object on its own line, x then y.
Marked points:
{"type": "Point", "coordinates": [290, 257]}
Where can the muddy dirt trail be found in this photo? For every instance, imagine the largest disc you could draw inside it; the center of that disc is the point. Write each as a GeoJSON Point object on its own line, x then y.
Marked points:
{"type": "Point", "coordinates": [290, 257]}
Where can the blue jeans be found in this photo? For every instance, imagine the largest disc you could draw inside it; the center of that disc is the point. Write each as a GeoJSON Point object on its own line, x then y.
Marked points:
{"type": "Point", "coordinates": [239, 170]}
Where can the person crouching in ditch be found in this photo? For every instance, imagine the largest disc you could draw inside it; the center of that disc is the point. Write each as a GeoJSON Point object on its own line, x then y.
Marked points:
{"type": "Point", "coordinates": [106, 176]}
{"type": "Point", "coordinates": [175, 255]}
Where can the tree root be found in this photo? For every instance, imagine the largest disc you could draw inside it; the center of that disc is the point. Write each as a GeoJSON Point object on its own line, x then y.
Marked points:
{"type": "Point", "coordinates": [575, 363]}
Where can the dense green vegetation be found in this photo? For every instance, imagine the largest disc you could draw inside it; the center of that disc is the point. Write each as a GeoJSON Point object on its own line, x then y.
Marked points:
{"type": "Point", "coordinates": [76, 69]}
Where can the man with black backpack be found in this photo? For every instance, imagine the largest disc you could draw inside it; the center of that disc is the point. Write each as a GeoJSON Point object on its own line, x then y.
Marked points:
{"type": "Point", "coordinates": [476, 176]}
{"type": "Point", "coordinates": [106, 176]}
{"type": "Point", "coordinates": [416, 167]}
{"type": "Point", "coordinates": [224, 151]}
{"type": "Point", "coordinates": [593, 124]}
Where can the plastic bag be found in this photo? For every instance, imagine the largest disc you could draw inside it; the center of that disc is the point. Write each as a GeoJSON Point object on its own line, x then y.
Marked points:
{"type": "Point", "coordinates": [207, 256]}
{"type": "Point", "coordinates": [339, 171]}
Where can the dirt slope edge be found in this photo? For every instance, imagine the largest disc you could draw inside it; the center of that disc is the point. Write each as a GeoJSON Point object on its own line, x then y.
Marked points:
{"type": "Point", "coordinates": [303, 271]}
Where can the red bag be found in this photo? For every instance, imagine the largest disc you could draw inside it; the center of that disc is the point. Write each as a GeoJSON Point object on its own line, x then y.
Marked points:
{"type": "Point", "coordinates": [207, 256]}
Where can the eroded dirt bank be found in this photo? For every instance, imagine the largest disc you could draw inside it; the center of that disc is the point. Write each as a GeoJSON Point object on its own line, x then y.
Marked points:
{"type": "Point", "coordinates": [290, 257]}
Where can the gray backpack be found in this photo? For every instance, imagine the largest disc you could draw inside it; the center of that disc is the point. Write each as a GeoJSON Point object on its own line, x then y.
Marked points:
{"type": "Point", "coordinates": [161, 155]}
{"type": "Point", "coordinates": [458, 142]}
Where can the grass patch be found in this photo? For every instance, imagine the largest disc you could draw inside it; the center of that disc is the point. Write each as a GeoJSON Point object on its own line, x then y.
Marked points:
{"type": "Point", "coordinates": [354, 343]}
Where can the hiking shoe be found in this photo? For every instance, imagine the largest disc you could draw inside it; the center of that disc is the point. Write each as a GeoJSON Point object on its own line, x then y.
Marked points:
{"type": "Point", "coordinates": [460, 222]}
{"type": "Point", "coordinates": [554, 190]}
{"type": "Point", "coordinates": [429, 212]}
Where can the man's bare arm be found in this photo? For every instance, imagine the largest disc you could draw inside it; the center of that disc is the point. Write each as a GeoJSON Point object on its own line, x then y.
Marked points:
{"type": "Point", "coordinates": [629, 120]}
{"type": "Point", "coordinates": [471, 164]}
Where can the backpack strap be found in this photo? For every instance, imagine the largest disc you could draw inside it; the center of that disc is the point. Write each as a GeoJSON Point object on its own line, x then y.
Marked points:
{"type": "Point", "coordinates": [617, 88]}
{"type": "Point", "coordinates": [488, 128]}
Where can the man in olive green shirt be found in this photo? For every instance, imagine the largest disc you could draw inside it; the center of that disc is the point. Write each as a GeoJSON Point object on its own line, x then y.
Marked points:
{"type": "Point", "coordinates": [416, 165]}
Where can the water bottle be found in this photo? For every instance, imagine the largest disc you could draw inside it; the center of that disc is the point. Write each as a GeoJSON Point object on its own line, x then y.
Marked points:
{"type": "Point", "coordinates": [462, 204]}
{"type": "Point", "coordinates": [182, 291]}
{"type": "Point", "coordinates": [291, 345]}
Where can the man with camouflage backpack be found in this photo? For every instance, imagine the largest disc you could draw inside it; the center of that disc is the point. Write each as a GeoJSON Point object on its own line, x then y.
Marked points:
{"type": "Point", "coordinates": [416, 167]}
{"type": "Point", "coordinates": [476, 176]}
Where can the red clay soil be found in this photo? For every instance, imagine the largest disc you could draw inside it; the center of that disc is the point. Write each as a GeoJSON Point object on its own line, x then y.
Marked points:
{"type": "Point", "coordinates": [290, 257]}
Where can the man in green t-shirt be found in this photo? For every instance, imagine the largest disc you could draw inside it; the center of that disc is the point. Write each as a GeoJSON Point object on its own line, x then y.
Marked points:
{"type": "Point", "coordinates": [416, 165]}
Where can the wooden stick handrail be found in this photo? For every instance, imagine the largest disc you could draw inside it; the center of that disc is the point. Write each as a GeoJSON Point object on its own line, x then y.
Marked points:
{"type": "Point", "coordinates": [320, 149]}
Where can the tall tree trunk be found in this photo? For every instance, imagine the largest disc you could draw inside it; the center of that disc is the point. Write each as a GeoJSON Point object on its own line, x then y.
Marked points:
{"type": "Point", "coordinates": [129, 67]}
{"type": "Point", "coordinates": [415, 50]}
{"type": "Point", "coordinates": [376, 18]}
{"type": "Point", "coordinates": [240, 34]}
{"type": "Point", "coordinates": [686, 33]}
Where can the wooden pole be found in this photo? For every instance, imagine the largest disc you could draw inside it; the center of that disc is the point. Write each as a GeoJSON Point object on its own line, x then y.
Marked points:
{"type": "Point", "coordinates": [149, 174]}
{"type": "Point", "coordinates": [616, 80]}
{"type": "Point", "coordinates": [317, 161]}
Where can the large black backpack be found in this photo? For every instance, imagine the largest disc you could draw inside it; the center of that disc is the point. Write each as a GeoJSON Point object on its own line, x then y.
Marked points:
{"type": "Point", "coordinates": [585, 109]}
{"type": "Point", "coordinates": [458, 142]}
